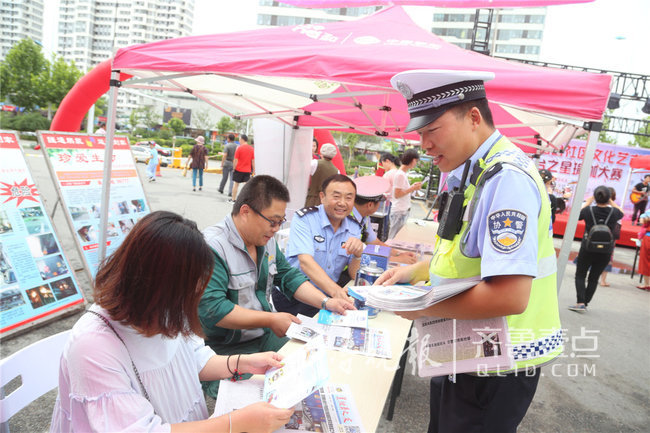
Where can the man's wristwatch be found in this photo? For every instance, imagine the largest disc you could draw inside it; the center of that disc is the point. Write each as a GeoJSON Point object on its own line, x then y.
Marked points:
{"type": "Point", "coordinates": [323, 304]}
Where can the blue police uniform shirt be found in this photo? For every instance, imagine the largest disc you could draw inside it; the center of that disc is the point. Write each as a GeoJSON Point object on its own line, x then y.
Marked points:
{"type": "Point", "coordinates": [509, 190]}
{"type": "Point", "coordinates": [312, 234]}
{"type": "Point", "coordinates": [365, 226]}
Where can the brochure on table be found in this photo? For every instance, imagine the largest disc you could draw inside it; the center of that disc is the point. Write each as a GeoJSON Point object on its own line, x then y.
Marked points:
{"type": "Point", "coordinates": [304, 371]}
{"type": "Point", "coordinates": [450, 346]}
{"type": "Point", "coordinates": [330, 409]}
{"type": "Point", "coordinates": [37, 282]}
{"type": "Point", "coordinates": [76, 163]}
{"type": "Point", "coordinates": [353, 318]}
{"type": "Point", "coordinates": [369, 342]}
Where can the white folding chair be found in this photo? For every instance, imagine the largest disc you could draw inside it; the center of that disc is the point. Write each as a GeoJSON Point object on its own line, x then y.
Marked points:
{"type": "Point", "coordinates": [38, 367]}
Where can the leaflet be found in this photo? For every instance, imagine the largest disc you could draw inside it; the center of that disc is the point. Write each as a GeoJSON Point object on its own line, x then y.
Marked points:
{"type": "Point", "coordinates": [450, 346]}
{"type": "Point", "coordinates": [416, 247]}
{"type": "Point", "coordinates": [369, 342]}
{"type": "Point", "coordinates": [411, 298]}
{"type": "Point", "coordinates": [304, 371]}
{"type": "Point", "coordinates": [352, 318]}
{"type": "Point", "coordinates": [329, 409]}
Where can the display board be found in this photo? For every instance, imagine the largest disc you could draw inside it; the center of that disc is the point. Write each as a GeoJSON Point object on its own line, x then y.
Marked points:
{"type": "Point", "coordinates": [76, 163]}
{"type": "Point", "coordinates": [610, 167]}
{"type": "Point", "coordinates": [37, 282]}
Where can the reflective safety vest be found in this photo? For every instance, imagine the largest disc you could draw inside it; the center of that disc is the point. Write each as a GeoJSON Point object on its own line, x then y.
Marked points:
{"type": "Point", "coordinates": [535, 335]}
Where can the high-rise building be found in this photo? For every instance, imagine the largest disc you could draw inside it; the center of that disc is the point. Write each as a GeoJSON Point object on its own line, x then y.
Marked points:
{"type": "Point", "coordinates": [514, 32]}
{"type": "Point", "coordinates": [518, 31]}
{"type": "Point", "coordinates": [20, 19]}
{"type": "Point", "coordinates": [274, 13]}
{"type": "Point", "coordinates": [90, 30]}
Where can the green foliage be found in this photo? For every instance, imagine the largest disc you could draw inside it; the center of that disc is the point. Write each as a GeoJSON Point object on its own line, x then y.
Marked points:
{"type": "Point", "coordinates": [30, 122]}
{"type": "Point", "coordinates": [187, 148]}
{"type": "Point", "coordinates": [144, 116]}
{"type": "Point", "coordinates": [639, 140]}
{"type": "Point", "coordinates": [101, 105]}
{"type": "Point", "coordinates": [165, 133]}
{"type": "Point", "coordinates": [604, 137]}
{"type": "Point", "coordinates": [176, 125]}
{"type": "Point", "coordinates": [7, 120]}
{"type": "Point", "coordinates": [61, 77]}
{"type": "Point", "coordinates": [225, 125]}
{"type": "Point", "coordinates": [29, 80]}
{"type": "Point", "coordinates": [202, 119]}
{"type": "Point", "coordinates": [22, 75]}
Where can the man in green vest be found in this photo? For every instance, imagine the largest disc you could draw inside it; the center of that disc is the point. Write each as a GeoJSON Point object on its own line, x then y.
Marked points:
{"type": "Point", "coordinates": [321, 169]}
{"type": "Point", "coordinates": [495, 226]}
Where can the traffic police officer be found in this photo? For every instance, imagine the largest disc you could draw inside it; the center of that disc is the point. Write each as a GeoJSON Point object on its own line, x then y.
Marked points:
{"type": "Point", "coordinates": [495, 224]}
{"type": "Point", "coordinates": [371, 191]}
{"type": "Point", "coordinates": [323, 240]}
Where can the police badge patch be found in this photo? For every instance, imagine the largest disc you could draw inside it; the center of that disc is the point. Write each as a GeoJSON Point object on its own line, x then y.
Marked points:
{"type": "Point", "coordinates": [507, 228]}
{"type": "Point", "coordinates": [319, 239]}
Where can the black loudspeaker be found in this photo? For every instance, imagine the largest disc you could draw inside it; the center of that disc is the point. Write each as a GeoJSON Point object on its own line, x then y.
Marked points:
{"type": "Point", "coordinates": [614, 101]}
{"type": "Point", "coordinates": [646, 107]}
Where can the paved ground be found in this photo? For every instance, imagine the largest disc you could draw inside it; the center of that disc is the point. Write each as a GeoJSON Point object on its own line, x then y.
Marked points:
{"type": "Point", "coordinates": [609, 392]}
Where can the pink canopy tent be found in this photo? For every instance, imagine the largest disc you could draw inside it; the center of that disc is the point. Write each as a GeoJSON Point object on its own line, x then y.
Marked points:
{"type": "Point", "coordinates": [336, 75]}
{"type": "Point", "coordinates": [439, 3]}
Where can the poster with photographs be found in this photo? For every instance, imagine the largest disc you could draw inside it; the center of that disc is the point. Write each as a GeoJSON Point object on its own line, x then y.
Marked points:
{"type": "Point", "coordinates": [76, 162]}
{"type": "Point", "coordinates": [36, 281]}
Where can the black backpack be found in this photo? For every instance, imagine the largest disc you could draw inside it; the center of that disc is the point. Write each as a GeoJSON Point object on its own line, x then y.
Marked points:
{"type": "Point", "coordinates": [600, 238]}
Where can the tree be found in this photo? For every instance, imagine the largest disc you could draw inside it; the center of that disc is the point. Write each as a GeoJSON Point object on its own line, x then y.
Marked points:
{"type": "Point", "coordinates": [177, 125]}
{"type": "Point", "coordinates": [60, 77]}
{"type": "Point", "coordinates": [640, 140]}
{"type": "Point", "coordinates": [351, 140]}
{"type": "Point", "coordinates": [144, 116]}
{"type": "Point", "coordinates": [604, 137]}
{"type": "Point", "coordinates": [202, 119]}
{"type": "Point", "coordinates": [23, 75]}
{"type": "Point", "coordinates": [225, 125]}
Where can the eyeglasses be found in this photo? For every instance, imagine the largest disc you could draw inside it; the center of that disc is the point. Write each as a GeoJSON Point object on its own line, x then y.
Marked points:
{"type": "Point", "coordinates": [273, 223]}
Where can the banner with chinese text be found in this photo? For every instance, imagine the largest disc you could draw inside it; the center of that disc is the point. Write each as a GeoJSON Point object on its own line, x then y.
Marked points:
{"type": "Point", "coordinates": [610, 167]}
{"type": "Point", "coordinates": [76, 162]}
{"type": "Point", "coordinates": [36, 280]}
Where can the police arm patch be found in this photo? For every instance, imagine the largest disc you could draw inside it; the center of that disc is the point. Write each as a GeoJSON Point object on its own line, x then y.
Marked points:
{"type": "Point", "coordinates": [507, 228]}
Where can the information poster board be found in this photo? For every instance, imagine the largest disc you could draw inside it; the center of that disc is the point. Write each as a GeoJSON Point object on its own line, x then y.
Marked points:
{"type": "Point", "coordinates": [610, 167]}
{"type": "Point", "coordinates": [76, 163]}
{"type": "Point", "coordinates": [36, 280]}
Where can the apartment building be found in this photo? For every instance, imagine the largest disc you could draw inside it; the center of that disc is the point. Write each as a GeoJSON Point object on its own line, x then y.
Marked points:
{"type": "Point", "coordinates": [20, 19]}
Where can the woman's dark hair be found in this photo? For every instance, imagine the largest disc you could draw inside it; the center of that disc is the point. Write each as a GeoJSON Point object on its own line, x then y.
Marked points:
{"type": "Point", "coordinates": [155, 279]}
{"type": "Point", "coordinates": [602, 194]}
{"type": "Point", "coordinates": [389, 157]}
{"type": "Point", "coordinates": [409, 156]}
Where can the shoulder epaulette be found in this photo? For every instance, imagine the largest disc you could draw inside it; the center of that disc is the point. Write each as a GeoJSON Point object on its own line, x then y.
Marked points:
{"type": "Point", "coordinates": [305, 210]}
{"type": "Point", "coordinates": [351, 216]}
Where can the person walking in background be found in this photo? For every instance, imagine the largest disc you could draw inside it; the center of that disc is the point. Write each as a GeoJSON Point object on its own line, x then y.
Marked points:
{"type": "Point", "coordinates": [244, 165]}
{"type": "Point", "coordinates": [321, 169]}
{"type": "Point", "coordinates": [391, 165]}
{"type": "Point", "coordinates": [644, 251]}
{"type": "Point", "coordinates": [639, 197]}
{"type": "Point", "coordinates": [606, 212]}
{"type": "Point", "coordinates": [152, 162]}
{"type": "Point", "coordinates": [227, 160]}
{"type": "Point", "coordinates": [198, 161]}
{"type": "Point", "coordinates": [134, 361]}
{"type": "Point", "coordinates": [401, 195]}
{"type": "Point", "coordinates": [549, 183]}
{"type": "Point", "coordinates": [617, 236]}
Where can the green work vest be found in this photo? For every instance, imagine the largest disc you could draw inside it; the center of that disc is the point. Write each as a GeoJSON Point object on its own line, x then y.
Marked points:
{"type": "Point", "coordinates": [535, 335]}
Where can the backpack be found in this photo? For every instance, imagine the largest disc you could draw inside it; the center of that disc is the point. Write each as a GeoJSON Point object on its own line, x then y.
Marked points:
{"type": "Point", "coordinates": [600, 238]}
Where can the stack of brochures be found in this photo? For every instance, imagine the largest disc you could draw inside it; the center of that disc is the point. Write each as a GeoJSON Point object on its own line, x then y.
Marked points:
{"type": "Point", "coordinates": [411, 298]}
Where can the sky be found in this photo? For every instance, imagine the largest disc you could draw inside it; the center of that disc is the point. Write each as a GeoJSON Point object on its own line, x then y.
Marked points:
{"type": "Point", "coordinates": [606, 34]}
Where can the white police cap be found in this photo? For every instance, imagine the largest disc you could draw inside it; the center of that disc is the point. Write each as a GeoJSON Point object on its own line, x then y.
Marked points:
{"type": "Point", "coordinates": [372, 188]}
{"type": "Point", "coordinates": [431, 92]}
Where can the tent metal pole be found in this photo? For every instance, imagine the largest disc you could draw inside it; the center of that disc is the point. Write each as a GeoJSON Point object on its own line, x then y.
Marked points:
{"type": "Point", "coordinates": [108, 162]}
{"type": "Point", "coordinates": [594, 129]}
